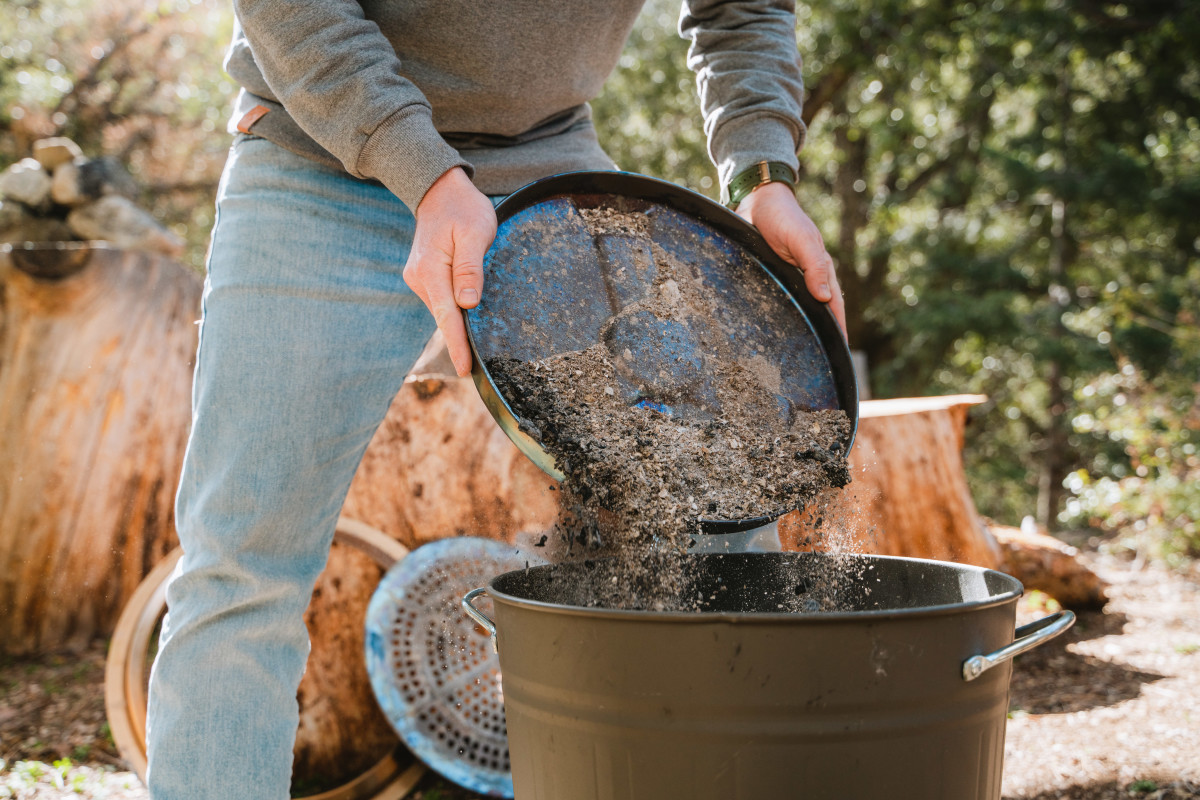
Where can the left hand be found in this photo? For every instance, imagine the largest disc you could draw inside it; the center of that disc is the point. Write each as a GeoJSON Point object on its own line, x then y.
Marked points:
{"type": "Point", "coordinates": [773, 209]}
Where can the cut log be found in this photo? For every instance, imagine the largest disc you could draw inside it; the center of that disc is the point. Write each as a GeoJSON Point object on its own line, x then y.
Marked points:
{"type": "Point", "coordinates": [96, 350]}
{"type": "Point", "coordinates": [909, 495]}
{"type": "Point", "coordinates": [439, 466]}
{"type": "Point", "coordinates": [342, 731]}
{"type": "Point", "coordinates": [344, 746]}
{"type": "Point", "coordinates": [1039, 561]}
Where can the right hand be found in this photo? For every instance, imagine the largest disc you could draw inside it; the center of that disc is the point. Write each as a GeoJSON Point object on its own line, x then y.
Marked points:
{"type": "Point", "coordinates": [773, 209]}
{"type": "Point", "coordinates": [455, 226]}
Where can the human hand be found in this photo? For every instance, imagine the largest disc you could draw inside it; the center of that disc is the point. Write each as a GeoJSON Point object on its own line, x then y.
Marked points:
{"type": "Point", "coordinates": [772, 208]}
{"type": "Point", "coordinates": [455, 226]}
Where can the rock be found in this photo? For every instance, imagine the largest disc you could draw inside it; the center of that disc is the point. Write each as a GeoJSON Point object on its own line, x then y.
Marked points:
{"type": "Point", "coordinates": [25, 182]}
{"type": "Point", "coordinates": [11, 215]}
{"type": "Point", "coordinates": [81, 180]}
{"type": "Point", "coordinates": [17, 224]}
{"type": "Point", "coordinates": [66, 187]}
{"type": "Point", "coordinates": [116, 219]}
{"type": "Point", "coordinates": [37, 229]}
{"type": "Point", "coordinates": [57, 150]}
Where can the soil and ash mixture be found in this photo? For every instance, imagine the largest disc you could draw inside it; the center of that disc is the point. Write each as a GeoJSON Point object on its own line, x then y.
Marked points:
{"type": "Point", "coordinates": [652, 446]}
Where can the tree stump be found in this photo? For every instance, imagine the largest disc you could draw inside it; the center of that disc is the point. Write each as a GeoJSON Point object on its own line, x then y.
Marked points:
{"type": "Point", "coordinates": [342, 731]}
{"type": "Point", "coordinates": [439, 466]}
{"type": "Point", "coordinates": [909, 494]}
{"type": "Point", "coordinates": [345, 749]}
{"type": "Point", "coordinates": [96, 351]}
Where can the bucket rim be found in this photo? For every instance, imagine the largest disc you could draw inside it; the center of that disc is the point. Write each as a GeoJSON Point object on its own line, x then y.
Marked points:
{"type": "Point", "coordinates": [1014, 593]}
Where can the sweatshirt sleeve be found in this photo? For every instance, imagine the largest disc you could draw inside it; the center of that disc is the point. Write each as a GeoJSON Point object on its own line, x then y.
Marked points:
{"type": "Point", "coordinates": [748, 73]}
{"type": "Point", "coordinates": [339, 78]}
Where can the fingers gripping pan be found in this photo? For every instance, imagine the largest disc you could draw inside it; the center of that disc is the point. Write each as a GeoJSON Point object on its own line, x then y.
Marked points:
{"type": "Point", "coordinates": [556, 282]}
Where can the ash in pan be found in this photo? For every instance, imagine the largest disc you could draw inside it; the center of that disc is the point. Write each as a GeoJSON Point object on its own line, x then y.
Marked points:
{"type": "Point", "coordinates": [639, 477]}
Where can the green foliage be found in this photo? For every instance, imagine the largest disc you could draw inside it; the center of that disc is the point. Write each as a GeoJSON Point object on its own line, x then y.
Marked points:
{"type": "Point", "coordinates": [39, 779]}
{"type": "Point", "coordinates": [141, 82]}
{"type": "Point", "coordinates": [1145, 485]}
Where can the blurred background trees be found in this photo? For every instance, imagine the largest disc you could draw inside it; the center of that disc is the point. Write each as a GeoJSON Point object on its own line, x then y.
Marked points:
{"type": "Point", "coordinates": [1011, 190]}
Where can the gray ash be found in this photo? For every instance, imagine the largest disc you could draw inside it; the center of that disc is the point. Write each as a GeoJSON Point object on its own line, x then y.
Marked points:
{"type": "Point", "coordinates": [661, 425]}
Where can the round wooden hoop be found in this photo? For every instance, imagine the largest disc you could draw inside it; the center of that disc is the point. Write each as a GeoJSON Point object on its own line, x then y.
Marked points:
{"type": "Point", "coordinates": [125, 669]}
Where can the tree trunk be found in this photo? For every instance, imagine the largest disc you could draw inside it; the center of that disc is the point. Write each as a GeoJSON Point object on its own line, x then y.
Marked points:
{"type": "Point", "coordinates": [342, 731]}
{"type": "Point", "coordinates": [344, 746]}
{"type": "Point", "coordinates": [909, 494]}
{"type": "Point", "coordinates": [96, 348]}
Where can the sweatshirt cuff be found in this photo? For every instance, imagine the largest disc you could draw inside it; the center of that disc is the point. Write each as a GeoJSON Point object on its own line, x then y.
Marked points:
{"type": "Point", "coordinates": [407, 154]}
{"type": "Point", "coordinates": [746, 140]}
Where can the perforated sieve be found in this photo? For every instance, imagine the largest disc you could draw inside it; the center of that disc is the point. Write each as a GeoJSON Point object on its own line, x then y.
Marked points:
{"type": "Point", "coordinates": [433, 671]}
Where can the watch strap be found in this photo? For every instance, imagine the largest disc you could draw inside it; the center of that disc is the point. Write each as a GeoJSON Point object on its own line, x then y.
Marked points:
{"type": "Point", "coordinates": [754, 176]}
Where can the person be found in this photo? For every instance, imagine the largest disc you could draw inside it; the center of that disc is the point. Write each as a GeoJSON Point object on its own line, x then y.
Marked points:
{"type": "Point", "coordinates": [353, 215]}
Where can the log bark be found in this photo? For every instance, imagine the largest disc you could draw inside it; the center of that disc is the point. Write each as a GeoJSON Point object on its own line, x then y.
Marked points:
{"type": "Point", "coordinates": [96, 348]}
{"type": "Point", "coordinates": [344, 747]}
{"type": "Point", "coordinates": [908, 495]}
{"type": "Point", "coordinates": [342, 731]}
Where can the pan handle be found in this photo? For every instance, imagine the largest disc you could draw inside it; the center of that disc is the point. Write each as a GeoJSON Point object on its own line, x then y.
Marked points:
{"type": "Point", "coordinates": [478, 615]}
{"type": "Point", "coordinates": [1027, 637]}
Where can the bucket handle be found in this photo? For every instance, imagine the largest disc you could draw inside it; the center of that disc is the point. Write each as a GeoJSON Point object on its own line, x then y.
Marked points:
{"type": "Point", "coordinates": [1027, 637]}
{"type": "Point", "coordinates": [478, 615]}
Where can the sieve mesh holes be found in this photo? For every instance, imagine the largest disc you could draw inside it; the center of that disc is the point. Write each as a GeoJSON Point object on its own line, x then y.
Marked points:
{"type": "Point", "coordinates": [444, 668]}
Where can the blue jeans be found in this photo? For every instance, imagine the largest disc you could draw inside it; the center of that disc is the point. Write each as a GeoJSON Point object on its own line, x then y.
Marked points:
{"type": "Point", "coordinates": [308, 330]}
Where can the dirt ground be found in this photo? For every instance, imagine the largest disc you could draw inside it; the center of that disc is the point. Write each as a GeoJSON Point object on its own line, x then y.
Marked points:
{"type": "Point", "coordinates": [1109, 710]}
{"type": "Point", "coordinates": [1112, 709]}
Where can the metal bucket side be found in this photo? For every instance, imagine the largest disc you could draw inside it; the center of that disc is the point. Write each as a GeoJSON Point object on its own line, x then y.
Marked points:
{"type": "Point", "coordinates": [623, 708]}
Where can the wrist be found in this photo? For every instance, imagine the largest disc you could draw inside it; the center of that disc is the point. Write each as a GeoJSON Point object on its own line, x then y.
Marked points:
{"type": "Point", "coordinates": [768, 198]}
{"type": "Point", "coordinates": [757, 175]}
{"type": "Point", "coordinates": [451, 181]}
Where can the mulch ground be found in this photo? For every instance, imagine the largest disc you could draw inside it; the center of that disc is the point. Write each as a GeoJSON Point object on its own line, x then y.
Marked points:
{"type": "Point", "coordinates": [1112, 708]}
{"type": "Point", "coordinates": [1109, 710]}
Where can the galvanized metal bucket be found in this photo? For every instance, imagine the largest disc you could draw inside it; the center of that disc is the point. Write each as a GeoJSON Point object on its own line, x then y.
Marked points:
{"type": "Point", "coordinates": [901, 692]}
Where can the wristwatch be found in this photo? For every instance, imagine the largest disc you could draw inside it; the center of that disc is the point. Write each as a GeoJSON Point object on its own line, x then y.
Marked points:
{"type": "Point", "coordinates": [754, 176]}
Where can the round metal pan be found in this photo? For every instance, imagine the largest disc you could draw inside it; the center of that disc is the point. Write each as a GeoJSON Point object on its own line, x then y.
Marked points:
{"type": "Point", "coordinates": [550, 284]}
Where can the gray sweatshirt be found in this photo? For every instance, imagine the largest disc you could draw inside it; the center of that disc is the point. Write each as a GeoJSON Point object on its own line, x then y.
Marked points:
{"type": "Point", "coordinates": [400, 92]}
